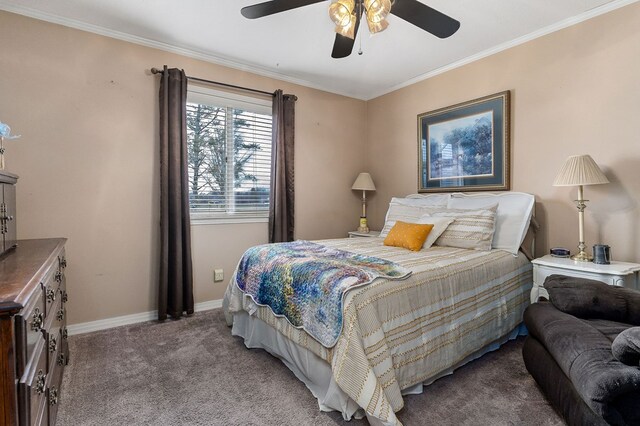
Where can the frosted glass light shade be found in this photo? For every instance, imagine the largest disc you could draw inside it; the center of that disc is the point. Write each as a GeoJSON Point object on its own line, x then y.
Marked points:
{"type": "Point", "coordinates": [341, 12]}
{"type": "Point", "coordinates": [580, 170]}
{"type": "Point", "coordinates": [377, 11]}
{"type": "Point", "coordinates": [376, 27]}
{"type": "Point", "coordinates": [364, 183]}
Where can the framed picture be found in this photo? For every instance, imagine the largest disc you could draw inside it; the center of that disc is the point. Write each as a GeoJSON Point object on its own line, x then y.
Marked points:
{"type": "Point", "coordinates": [465, 147]}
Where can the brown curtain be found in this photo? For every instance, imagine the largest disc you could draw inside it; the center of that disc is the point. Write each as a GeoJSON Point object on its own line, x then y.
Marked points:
{"type": "Point", "coordinates": [282, 195]}
{"type": "Point", "coordinates": [175, 294]}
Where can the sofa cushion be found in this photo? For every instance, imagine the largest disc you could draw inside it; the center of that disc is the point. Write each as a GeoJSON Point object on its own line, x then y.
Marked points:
{"type": "Point", "coordinates": [584, 355]}
{"type": "Point", "coordinates": [593, 299]}
{"type": "Point", "coordinates": [626, 347]}
{"type": "Point", "coordinates": [610, 329]}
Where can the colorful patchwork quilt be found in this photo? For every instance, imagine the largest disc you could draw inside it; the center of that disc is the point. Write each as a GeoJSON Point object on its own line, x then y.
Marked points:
{"type": "Point", "coordinates": [305, 282]}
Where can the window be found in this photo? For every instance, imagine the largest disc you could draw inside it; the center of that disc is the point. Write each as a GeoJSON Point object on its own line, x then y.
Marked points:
{"type": "Point", "coordinates": [229, 155]}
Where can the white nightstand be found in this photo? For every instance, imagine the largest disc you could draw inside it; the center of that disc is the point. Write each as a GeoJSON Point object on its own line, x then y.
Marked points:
{"type": "Point", "coordinates": [356, 234]}
{"type": "Point", "coordinates": [622, 274]}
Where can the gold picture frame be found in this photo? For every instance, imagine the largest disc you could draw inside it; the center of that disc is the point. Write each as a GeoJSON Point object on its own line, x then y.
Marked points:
{"type": "Point", "coordinates": [466, 147]}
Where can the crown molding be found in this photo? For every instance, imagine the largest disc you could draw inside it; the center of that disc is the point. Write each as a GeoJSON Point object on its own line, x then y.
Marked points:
{"type": "Point", "coordinates": [242, 66]}
{"type": "Point", "coordinates": [142, 41]}
{"type": "Point", "coordinates": [592, 13]}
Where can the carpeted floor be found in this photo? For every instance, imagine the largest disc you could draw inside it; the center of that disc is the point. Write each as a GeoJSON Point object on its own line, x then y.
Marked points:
{"type": "Point", "coordinates": [193, 372]}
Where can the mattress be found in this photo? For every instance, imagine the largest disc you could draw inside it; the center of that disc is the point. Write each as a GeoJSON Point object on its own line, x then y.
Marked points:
{"type": "Point", "coordinates": [397, 334]}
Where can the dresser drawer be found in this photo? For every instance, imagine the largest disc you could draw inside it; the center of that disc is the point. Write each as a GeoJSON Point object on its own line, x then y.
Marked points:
{"type": "Point", "coordinates": [55, 381]}
{"type": "Point", "coordinates": [65, 347]}
{"type": "Point", "coordinates": [51, 287]}
{"type": "Point", "coordinates": [32, 389]}
{"type": "Point", "coordinates": [56, 322]}
{"type": "Point", "coordinates": [32, 288]}
{"type": "Point", "coordinates": [29, 325]}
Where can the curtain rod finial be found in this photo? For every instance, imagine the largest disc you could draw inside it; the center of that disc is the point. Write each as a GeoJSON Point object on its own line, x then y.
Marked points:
{"type": "Point", "coordinates": [156, 71]}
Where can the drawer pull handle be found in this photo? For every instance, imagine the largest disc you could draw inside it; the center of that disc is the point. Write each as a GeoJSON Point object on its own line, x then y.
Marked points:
{"type": "Point", "coordinates": [58, 276]}
{"type": "Point", "coordinates": [63, 262]}
{"type": "Point", "coordinates": [53, 345]}
{"type": "Point", "coordinates": [53, 396]}
{"type": "Point", "coordinates": [40, 382]}
{"type": "Point", "coordinates": [65, 297]}
{"type": "Point", "coordinates": [37, 320]}
{"type": "Point", "coordinates": [65, 333]}
{"type": "Point", "coordinates": [60, 315]}
{"type": "Point", "coordinates": [61, 359]}
{"type": "Point", "coordinates": [51, 295]}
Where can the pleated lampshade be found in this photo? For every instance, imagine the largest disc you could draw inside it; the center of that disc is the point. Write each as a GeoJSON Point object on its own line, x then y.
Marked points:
{"type": "Point", "coordinates": [580, 170]}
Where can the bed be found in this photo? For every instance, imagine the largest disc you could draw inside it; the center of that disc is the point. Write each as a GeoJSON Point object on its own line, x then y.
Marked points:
{"type": "Point", "coordinates": [399, 335]}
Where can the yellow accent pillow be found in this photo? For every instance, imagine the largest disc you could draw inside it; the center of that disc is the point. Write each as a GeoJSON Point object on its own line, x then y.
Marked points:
{"type": "Point", "coordinates": [408, 235]}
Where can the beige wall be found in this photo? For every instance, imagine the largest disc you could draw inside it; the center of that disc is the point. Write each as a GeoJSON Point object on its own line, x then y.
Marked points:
{"type": "Point", "coordinates": [86, 107]}
{"type": "Point", "coordinates": [576, 91]}
{"type": "Point", "coordinates": [87, 160]}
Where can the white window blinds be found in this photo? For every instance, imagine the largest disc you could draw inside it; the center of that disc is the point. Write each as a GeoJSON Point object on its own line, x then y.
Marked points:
{"type": "Point", "coordinates": [229, 155]}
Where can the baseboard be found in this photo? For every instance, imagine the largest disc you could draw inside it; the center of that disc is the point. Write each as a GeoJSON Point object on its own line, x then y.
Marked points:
{"type": "Point", "coordinates": [107, 323]}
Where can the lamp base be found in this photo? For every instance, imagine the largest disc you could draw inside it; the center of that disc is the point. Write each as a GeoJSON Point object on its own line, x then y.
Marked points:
{"type": "Point", "coordinates": [582, 257]}
{"type": "Point", "coordinates": [363, 225]}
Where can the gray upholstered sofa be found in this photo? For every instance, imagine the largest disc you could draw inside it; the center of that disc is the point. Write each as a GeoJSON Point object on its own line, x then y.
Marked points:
{"type": "Point", "coordinates": [569, 350]}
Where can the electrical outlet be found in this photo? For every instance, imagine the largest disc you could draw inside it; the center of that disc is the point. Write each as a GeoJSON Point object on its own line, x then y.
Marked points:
{"type": "Point", "coordinates": [218, 275]}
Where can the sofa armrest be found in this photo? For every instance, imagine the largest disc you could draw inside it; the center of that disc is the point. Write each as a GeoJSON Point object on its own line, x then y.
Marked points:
{"type": "Point", "coordinates": [609, 387]}
{"type": "Point", "coordinates": [590, 299]}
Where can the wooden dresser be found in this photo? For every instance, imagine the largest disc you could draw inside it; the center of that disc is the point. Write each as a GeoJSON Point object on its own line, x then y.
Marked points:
{"type": "Point", "coordinates": [33, 331]}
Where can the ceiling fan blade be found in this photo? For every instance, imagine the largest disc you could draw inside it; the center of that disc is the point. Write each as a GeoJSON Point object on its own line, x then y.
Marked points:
{"type": "Point", "coordinates": [343, 46]}
{"type": "Point", "coordinates": [425, 17]}
{"type": "Point", "coordinates": [274, 6]}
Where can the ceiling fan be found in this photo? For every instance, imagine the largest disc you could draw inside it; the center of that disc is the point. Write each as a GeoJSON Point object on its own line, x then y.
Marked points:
{"type": "Point", "coordinates": [347, 15]}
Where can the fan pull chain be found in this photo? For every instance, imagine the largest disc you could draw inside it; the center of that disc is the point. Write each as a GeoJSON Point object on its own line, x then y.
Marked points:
{"type": "Point", "coordinates": [360, 48]}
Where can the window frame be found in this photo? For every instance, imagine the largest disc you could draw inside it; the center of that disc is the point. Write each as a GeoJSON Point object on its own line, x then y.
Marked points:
{"type": "Point", "coordinates": [218, 98]}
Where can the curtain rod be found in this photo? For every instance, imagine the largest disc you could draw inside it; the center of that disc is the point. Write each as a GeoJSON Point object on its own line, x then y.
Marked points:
{"type": "Point", "coordinates": [202, 80]}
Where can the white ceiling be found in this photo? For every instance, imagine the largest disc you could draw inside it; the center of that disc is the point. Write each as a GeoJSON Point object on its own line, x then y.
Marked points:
{"type": "Point", "coordinates": [296, 45]}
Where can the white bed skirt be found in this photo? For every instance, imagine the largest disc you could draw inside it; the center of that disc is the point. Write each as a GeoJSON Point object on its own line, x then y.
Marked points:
{"type": "Point", "coordinates": [315, 373]}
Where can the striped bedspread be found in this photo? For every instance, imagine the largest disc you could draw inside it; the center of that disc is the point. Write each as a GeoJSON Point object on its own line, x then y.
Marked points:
{"type": "Point", "coordinates": [305, 282]}
{"type": "Point", "coordinates": [399, 333]}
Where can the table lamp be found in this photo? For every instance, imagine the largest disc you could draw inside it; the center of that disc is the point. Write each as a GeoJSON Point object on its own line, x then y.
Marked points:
{"type": "Point", "coordinates": [580, 170]}
{"type": "Point", "coordinates": [364, 183]}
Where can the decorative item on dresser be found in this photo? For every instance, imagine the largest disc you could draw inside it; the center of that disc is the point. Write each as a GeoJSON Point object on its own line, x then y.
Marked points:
{"type": "Point", "coordinates": [7, 210]}
{"type": "Point", "coordinates": [622, 274]}
{"type": "Point", "coordinates": [33, 331]}
{"type": "Point", "coordinates": [5, 133]}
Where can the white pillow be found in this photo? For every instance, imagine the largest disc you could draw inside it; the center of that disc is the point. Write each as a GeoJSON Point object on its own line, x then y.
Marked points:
{"type": "Point", "coordinates": [471, 229]}
{"type": "Point", "coordinates": [418, 200]}
{"type": "Point", "coordinates": [427, 200]}
{"type": "Point", "coordinates": [440, 225]}
{"type": "Point", "coordinates": [513, 215]}
{"type": "Point", "coordinates": [405, 213]}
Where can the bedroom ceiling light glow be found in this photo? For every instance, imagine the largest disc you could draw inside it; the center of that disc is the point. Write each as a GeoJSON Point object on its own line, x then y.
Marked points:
{"type": "Point", "coordinates": [341, 13]}
{"type": "Point", "coordinates": [377, 11]}
{"type": "Point", "coordinates": [344, 14]}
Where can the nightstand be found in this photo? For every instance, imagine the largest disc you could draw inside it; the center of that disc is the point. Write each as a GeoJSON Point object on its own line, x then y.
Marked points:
{"type": "Point", "coordinates": [356, 234]}
{"type": "Point", "coordinates": [622, 274]}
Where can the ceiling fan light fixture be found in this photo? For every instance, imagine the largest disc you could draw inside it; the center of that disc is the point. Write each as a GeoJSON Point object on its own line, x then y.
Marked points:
{"type": "Point", "coordinates": [377, 11]}
{"type": "Point", "coordinates": [341, 12]}
{"type": "Point", "coordinates": [349, 30]}
{"type": "Point", "coordinates": [376, 27]}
